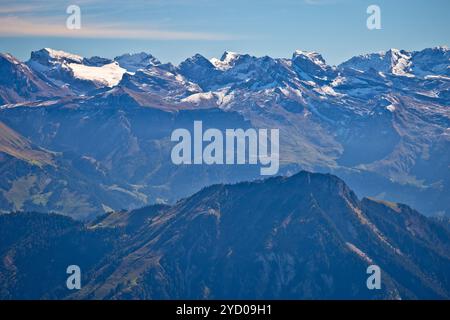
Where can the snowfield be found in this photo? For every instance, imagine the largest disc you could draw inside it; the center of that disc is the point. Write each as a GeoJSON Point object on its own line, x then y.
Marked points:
{"type": "Point", "coordinates": [108, 75]}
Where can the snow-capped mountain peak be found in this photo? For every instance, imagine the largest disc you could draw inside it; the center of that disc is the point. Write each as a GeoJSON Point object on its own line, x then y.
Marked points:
{"type": "Point", "coordinates": [310, 64]}
{"type": "Point", "coordinates": [197, 59]}
{"type": "Point", "coordinates": [313, 56]}
{"type": "Point", "coordinates": [432, 62]}
{"type": "Point", "coordinates": [400, 62]}
{"type": "Point", "coordinates": [226, 61]}
{"type": "Point", "coordinates": [364, 108]}
{"type": "Point", "coordinates": [392, 61]}
{"type": "Point", "coordinates": [233, 70]}
{"type": "Point", "coordinates": [62, 55]}
{"type": "Point", "coordinates": [229, 56]}
{"type": "Point", "coordinates": [73, 71]}
{"type": "Point", "coordinates": [8, 57]}
{"type": "Point", "coordinates": [47, 58]}
{"type": "Point", "coordinates": [135, 61]}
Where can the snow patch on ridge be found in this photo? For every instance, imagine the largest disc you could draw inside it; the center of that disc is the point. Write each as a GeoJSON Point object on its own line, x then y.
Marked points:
{"type": "Point", "coordinates": [108, 75]}
{"type": "Point", "coordinates": [315, 57]}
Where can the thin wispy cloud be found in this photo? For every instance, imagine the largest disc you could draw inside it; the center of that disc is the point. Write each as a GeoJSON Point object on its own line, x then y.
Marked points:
{"type": "Point", "coordinates": [33, 18]}
{"type": "Point", "coordinates": [16, 26]}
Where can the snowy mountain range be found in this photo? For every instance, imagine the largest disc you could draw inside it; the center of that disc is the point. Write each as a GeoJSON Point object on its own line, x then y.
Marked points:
{"type": "Point", "coordinates": [86, 135]}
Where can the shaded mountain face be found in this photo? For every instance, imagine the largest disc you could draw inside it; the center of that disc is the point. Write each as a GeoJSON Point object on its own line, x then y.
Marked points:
{"type": "Point", "coordinates": [303, 237]}
{"type": "Point", "coordinates": [37, 248]}
{"type": "Point", "coordinates": [379, 121]}
{"type": "Point", "coordinates": [19, 83]}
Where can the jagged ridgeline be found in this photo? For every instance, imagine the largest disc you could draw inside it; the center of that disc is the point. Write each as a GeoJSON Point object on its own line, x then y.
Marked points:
{"type": "Point", "coordinates": [83, 136]}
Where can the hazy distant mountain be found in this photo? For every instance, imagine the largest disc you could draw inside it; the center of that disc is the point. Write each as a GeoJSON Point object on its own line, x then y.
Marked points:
{"type": "Point", "coordinates": [303, 237]}
{"type": "Point", "coordinates": [380, 121]}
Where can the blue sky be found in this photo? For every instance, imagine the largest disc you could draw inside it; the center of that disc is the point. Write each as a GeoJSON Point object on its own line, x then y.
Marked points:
{"type": "Point", "coordinates": [173, 30]}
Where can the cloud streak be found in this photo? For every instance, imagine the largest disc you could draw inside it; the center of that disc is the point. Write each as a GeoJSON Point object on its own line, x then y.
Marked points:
{"type": "Point", "coordinates": [11, 26]}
